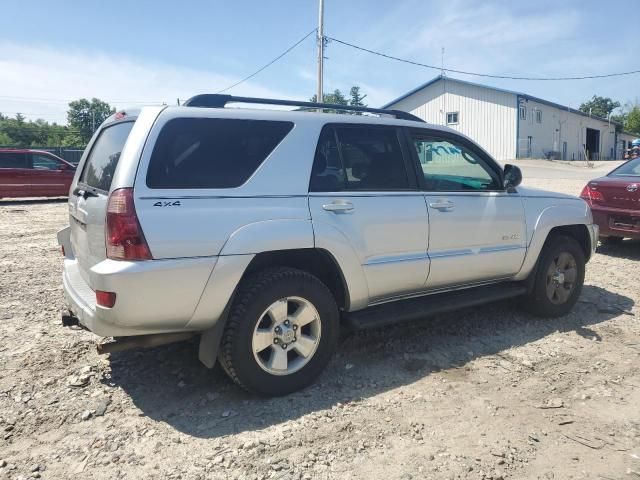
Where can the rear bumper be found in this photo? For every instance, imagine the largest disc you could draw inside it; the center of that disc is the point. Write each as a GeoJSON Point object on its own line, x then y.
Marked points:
{"type": "Point", "coordinates": [157, 296]}
{"type": "Point", "coordinates": [617, 222]}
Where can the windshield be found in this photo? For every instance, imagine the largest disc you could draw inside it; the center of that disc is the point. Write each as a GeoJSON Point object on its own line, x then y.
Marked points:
{"type": "Point", "coordinates": [629, 169]}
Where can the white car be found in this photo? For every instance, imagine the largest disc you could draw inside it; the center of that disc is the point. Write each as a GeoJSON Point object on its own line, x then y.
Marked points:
{"type": "Point", "coordinates": [264, 231]}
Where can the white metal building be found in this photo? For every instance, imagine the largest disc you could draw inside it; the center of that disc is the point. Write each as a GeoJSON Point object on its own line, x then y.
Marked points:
{"type": "Point", "coordinates": [511, 124]}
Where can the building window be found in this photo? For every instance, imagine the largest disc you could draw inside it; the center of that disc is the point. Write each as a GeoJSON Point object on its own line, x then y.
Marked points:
{"type": "Point", "coordinates": [523, 112]}
{"type": "Point", "coordinates": [452, 118]}
{"type": "Point", "coordinates": [538, 116]}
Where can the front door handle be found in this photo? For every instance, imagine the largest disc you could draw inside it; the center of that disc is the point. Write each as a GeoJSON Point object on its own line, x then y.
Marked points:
{"type": "Point", "coordinates": [442, 205]}
{"type": "Point", "coordinates": [338, 207]}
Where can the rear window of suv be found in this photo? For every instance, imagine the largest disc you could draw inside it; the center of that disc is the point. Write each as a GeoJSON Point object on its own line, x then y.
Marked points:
{"type": "Point", "coordinates": [212, 152]}
{"type": "Point", "coordinates": [103, 159]}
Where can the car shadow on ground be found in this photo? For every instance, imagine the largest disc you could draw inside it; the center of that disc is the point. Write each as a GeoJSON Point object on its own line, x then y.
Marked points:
{"type": "Point", "coordinates": [627, 249]}
{"type": "Point", "coordinates": [169, 384]}
{"type": "Point", "coordinates": [30, 201]}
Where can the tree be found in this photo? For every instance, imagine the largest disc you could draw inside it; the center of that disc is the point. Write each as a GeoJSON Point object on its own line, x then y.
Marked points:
{"type": "Point", "coordinates": [356, 98]}
{"type": "Point", "coordinates": [599, 106]}
{"type": "Point", "coordinates": [85, 116]}
{"type": "Point", "coordinates": [632, 120]}
{"type": "Point", "coordinates": [338, 98]}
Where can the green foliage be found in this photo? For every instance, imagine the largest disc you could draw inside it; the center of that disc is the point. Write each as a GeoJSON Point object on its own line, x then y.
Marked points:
{"type": "Point", "coordinates": [632, 120]}
{"type": "Point", "coordinates": [599, 106]}
{"type": "Point", "coordinates": [85, 116]}
{"type": "Point", "coordinates": [356, 97]}
{"type": "Point", "coordinates": [19, 132]}
{"type": "Point", "coordinates": [337, 98]}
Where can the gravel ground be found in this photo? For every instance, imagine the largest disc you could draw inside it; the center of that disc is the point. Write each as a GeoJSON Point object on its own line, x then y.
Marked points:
{"type": "Point", "coordinates": [489, 393]}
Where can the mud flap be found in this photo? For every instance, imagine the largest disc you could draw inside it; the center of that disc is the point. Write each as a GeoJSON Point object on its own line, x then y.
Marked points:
{"type": "Point", "coordinates": [210, 343]}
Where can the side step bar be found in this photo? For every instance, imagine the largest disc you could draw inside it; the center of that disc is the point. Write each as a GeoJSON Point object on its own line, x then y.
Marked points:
{"type": "Point", "coordinates": [428, 305]}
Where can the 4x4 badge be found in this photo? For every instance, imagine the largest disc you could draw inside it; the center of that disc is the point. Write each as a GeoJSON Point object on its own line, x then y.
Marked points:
{"type": "Point", "coordinates": [167, 204]}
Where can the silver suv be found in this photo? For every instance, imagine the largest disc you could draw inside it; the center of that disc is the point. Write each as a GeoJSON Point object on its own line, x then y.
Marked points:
{"type": "Point", "coordinates": [265, 231]}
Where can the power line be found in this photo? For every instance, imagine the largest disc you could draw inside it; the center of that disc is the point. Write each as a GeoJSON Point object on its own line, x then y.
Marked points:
{"type": "Point", "coordinates": [270, 63]}
{"type": "Point", "coordinates": [63, 101]}
{"type": "Point", "coordinates": [487, 75]}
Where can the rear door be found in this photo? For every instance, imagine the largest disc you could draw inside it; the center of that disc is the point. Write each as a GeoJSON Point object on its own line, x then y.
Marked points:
{"type": "Point", "coordinates": [476, 228]}
{"type": "Point", "coordinates": [14, 175]}
{"type": "Point", "coordinates": [50, 177]}
{"type": "Point", "coordinates": [88, 201]}
{"type": "Point", "coordinates": [363, 186]}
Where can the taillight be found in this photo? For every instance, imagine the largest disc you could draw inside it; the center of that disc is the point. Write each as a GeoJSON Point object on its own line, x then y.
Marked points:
{"type": "Point", "coordinates": [105, 299]}
{"type": "Point", "coordinates": [591, 194]}
{"type": "Point", "coordinates": [125, 240]}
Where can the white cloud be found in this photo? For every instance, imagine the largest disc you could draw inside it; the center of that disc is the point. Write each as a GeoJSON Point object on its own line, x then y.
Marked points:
{"type": "Point", "coordinates": [40, 81]}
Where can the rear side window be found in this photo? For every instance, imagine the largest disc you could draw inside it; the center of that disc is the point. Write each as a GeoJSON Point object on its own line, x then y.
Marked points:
{"type": "Point", "coordinates": [359, 157]}
{"type": "Point", "coordinates": [44, 162]}
{"type": "Point", "coordinates": [212, 152]}
{"type": "Point", "coordinates": [13, 160]}
{"type": "Point", "coordinates": [103, 159]}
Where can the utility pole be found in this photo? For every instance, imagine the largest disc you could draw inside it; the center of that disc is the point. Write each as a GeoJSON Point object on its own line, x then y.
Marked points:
{"type": "Point", "coordinates": [320, 37]}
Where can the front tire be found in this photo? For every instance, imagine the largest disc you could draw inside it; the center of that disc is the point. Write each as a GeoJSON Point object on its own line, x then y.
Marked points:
{"type": "Point", "coordinates": [281, 333]}
{"type": "Point", "coordinates": [558, 278]}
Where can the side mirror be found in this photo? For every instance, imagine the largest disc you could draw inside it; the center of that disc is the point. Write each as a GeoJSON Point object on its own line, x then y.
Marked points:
{"type": "Point", "coordinates": [512, 176]}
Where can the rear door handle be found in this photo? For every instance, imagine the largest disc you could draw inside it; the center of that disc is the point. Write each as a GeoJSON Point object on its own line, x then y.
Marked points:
{"type": "Point", "coordinates": [442, 205]}
{"type": "Point", "coordinates": [338, 207]}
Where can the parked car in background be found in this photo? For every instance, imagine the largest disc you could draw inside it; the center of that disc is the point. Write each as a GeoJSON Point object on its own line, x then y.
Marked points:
{"type": "Point", "coordinates": [615, 202]}
{"type": "Point", "coordinates": [34, 173]}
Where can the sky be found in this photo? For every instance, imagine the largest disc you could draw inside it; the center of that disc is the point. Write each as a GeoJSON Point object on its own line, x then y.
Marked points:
{"type": "Point", "coordinates": [136, 52]}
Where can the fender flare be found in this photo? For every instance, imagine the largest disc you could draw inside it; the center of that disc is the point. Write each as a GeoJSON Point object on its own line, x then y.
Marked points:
{"type": "Point", "coordinates": [551, 217]}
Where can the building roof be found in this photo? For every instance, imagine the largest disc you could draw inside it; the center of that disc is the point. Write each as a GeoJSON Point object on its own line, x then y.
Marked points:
{"type": "Point", "coordinates": [519, 94]}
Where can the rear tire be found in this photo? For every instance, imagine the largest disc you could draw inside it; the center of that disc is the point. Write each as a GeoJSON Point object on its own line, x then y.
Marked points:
{"type": "Point", "coordinates": [559, 277]}
{"type": "Point", "coordinates": [282, 330]}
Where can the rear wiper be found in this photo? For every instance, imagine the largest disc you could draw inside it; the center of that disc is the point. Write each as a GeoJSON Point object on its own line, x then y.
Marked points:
{"type": "Point", "coordinates": [80, 192]}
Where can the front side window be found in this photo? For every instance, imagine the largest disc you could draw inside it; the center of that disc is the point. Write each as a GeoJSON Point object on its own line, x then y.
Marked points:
{"type": "Point", "coordinates": [101, 164]}
{"type": "Point", "coordinates": [452, 118]}
{"type": "Point", "coordinates": [44, 162]}
{"type": "Point", "coordinates": [450, 166]}
{"type": "Point", "coordinates": [13, 160]}
{"type": "Point", "coordinates": [212, 152]}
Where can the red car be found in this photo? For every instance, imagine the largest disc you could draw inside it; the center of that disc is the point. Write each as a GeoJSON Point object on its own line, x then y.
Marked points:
{"type": "Point", "coordinates": [615, 202]}
{"type": "Point", "coordinates": [34, 173]}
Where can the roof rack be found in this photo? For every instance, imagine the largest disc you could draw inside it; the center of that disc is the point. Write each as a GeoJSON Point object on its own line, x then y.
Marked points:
{"type": "Point", "coordinates": [214, 100]}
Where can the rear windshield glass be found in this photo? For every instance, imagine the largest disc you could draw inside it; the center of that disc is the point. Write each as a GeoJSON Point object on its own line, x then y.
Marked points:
{"type": "Point", "coordinates": [103, 159]}
{"type": "Point", "coordinates": [212, 152]}
{"type": "Point", "coordinates": [629, 169]}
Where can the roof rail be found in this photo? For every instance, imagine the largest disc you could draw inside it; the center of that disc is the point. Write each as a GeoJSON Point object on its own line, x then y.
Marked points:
{"type": "Point", "coordinates": [214, 100]}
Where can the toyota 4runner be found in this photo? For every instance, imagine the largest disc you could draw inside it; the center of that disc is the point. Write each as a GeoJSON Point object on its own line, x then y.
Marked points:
{"type": "Point", "coordinates": [263, 231]}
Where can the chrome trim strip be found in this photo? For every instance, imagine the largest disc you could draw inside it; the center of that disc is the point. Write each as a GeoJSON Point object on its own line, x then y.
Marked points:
{"type": "Point", "coordinates": [395, 259]}
{"type": "Point", "coordinates": [458, 253]}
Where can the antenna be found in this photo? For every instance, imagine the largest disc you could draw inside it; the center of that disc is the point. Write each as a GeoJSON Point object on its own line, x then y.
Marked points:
{"type": "Point", "coordinates": [442, 72]}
